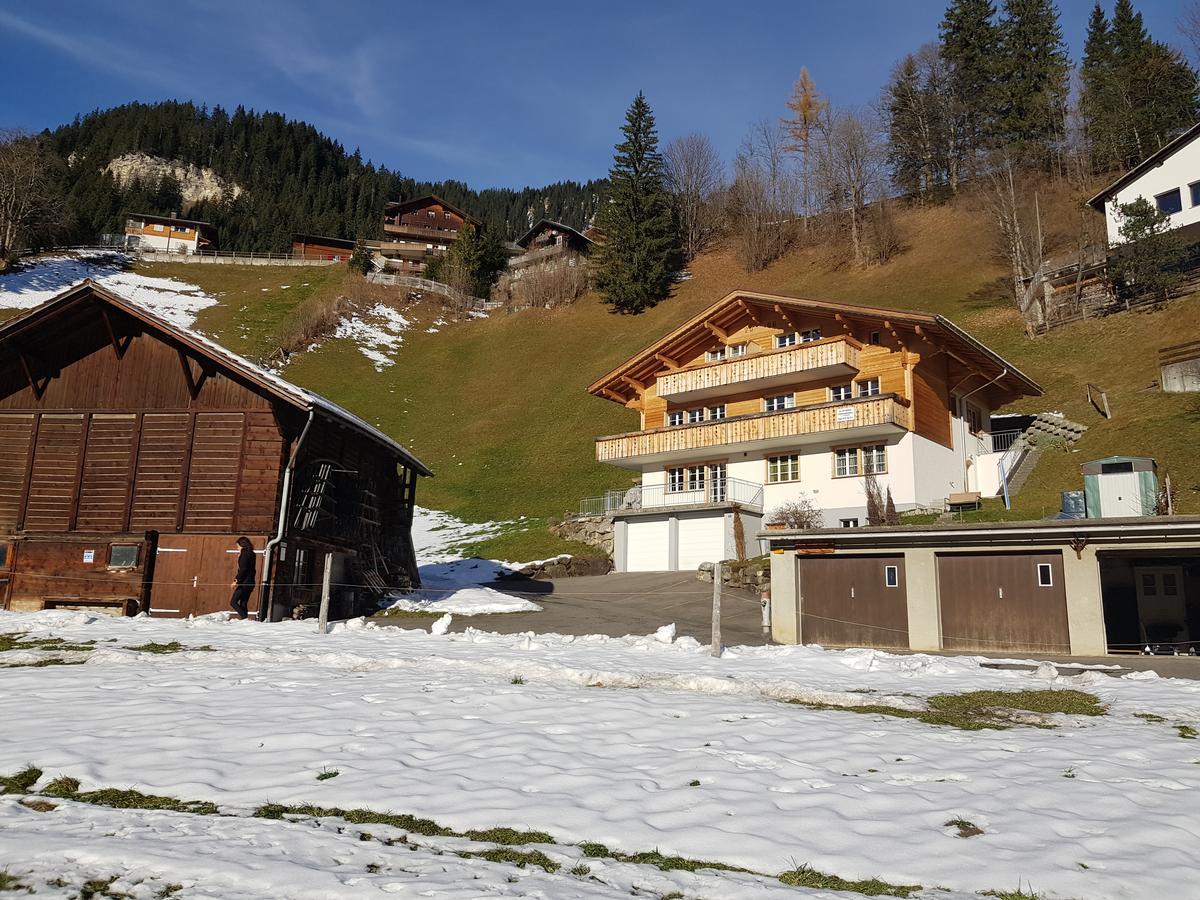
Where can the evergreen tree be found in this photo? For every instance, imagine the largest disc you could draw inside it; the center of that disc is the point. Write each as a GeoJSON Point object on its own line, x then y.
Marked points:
{"type": "Point", "coordinates": [1096, 102]}
{"type": "Point", "coordinates": [970, 47]}
{"type": "Point", "coordinates": [1031, 81]}
{"type": "Point", "coordinates": [360, 259]}
{"type": "Point", "coordinates": [1147, 262]}
{"type": "Point", "coordinates": [636, 262]}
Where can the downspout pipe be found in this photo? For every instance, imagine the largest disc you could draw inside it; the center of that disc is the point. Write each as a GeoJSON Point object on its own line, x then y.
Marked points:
{"type": "Point", "coordinates": [285, 496]}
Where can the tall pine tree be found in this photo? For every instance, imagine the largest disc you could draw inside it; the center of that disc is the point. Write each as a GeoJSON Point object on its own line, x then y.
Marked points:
{"type": "Point", "coordinates": [637, 260]}
{"type": "Point", "coordinates": [1032, 81]}
{"type": "Point", "coordinates": [970, 47]}
{"type": "Point", "coordinates": [1096, 101]}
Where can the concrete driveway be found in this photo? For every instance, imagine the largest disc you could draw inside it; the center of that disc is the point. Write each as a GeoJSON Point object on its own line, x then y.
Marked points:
{"type": "Point", "coordinates": [623, 603]}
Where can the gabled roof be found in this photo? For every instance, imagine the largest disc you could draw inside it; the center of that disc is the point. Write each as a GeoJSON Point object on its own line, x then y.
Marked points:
{"type": "Point", "coordinates": [694, 335]}
{"type": "Point", "coordinates": [429, 199]}
{"type": "Point", "coordinates": [239, 368]}
{"type": "Point", "coordinates": [1154, 159]}
{"type": "Point", "coordinates": [523, 240]}
{"type": "Point", "coordinates": [173, 220]}
{"type": "Point", "coordinates": [348, 243]}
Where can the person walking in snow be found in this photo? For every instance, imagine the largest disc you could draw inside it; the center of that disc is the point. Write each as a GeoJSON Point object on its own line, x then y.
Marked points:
{"type": "Point", "coordinates": [243, 581]}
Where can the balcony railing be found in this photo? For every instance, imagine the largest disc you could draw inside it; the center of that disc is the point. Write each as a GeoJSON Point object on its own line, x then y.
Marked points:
{"type": "Point", "coordinates": [391, 227]}
{"type": "Point", "coordinates": [817, 359]}
{"type": "Point", "coordinates": [819, 419]}
{"type": "Point", "coordinates": [999, 441]}
{"type": "Point", "coordinates": [747, 494]}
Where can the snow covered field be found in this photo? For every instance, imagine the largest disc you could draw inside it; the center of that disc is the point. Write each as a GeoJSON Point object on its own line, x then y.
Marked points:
{"type": "Point", "coordinates": [637, 743]}
{"type": "Point", "coordinates": [32, 285]}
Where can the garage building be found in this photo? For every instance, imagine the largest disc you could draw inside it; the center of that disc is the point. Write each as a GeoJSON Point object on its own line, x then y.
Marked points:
{"type": "Point", "coordinates": [1062, 587]}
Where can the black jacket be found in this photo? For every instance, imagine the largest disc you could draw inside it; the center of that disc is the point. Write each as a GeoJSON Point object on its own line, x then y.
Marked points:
{"type": "Point", "coordinates": [246, 566]}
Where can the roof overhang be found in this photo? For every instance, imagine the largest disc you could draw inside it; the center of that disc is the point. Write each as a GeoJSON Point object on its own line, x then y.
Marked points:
{"type": "Point", "coordinates": [418, 202]}
{"type": "Point", "coordinates": [1154, 159]}
{"type": "Point", "coordinates": [692, 336]}
{"type": "Point", "coordinates": [523, 240]}
{"type": "Point", "coordinates": [240, 369]}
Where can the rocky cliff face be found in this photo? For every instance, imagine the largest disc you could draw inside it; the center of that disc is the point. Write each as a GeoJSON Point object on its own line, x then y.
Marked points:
{"type": "Point", "coordinates": [195, 182]}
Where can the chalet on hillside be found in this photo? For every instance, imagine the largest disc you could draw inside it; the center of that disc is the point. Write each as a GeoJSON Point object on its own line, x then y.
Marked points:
{"type": "Point", "coordinates": [168, 234]}
{"type": "Point", "coordinates": [315, 246]}
{"type": "Point", "coordinates": [762, 400]}
{"type": "Point", "coordinates": [133, 453]}
{"type": "Point", "coordinates": [416, 231]}
{"type": "Point", "coordinates": [550, 244]}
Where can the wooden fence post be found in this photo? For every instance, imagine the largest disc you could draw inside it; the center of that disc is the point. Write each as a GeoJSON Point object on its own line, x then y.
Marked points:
{"type": "Point", "coordinates": [323, 625]}
{"type": "Point", "coordinates": [716, 611]}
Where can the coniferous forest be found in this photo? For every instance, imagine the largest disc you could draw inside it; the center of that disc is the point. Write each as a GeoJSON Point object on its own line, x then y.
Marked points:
{"type": "Point", "coordinates": [293, 179]}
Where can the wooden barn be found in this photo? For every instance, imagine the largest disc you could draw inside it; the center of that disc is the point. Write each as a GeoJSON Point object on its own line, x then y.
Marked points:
{"type": "Point", "coordinates": [133, 453]}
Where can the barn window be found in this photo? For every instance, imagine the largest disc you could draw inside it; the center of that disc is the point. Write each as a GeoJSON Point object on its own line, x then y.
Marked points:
{"type": "Point", "coordinates": [1045, 575]}
{"type": "Point", "coordinates": [1169, 202]}
{"type": "Point", "coordinates": [875, 338]}
{"type": "Point", "coordinates": [891, 576]}
{"type": "Point", "coordinates": [783, 401]}
{"type": "Point", "coordinates": [717, 412]}
{"type": "Point", "coordinates": [695, 415]}
{"type": "Point", "coordinates": [123, 556]}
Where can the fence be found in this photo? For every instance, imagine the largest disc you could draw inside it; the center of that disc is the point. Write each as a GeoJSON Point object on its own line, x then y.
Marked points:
{"type": "Point", "coordinates": [999, 441]}
{"type": "Point", "coordinates": [434, 287]}
{"type": "Point", "coordinates": [651, 496]}
{"type": "Point", "coordinates": [149, 254]}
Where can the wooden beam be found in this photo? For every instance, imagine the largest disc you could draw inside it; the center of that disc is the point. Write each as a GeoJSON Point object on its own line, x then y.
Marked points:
{"type": "Point", "coordinates": [717, 330]}
{"type": "Point", "coordinates": [28, 363]}
{"type": "Point", "coordinates": [666, 361]}
{"type": "Point", "coordinates": [634, 383]}
{"type": "Point", "coordinates": [194, 382]}
{"type": "Point", "coordinates": [613, 395]}
{"type": "Point", "coordinates": [786, 316]}
{"type": "Point", "coordinates": [842, 321]}
{"type": "Point", "coordinates": [119, 345]}
{"type": "Point", "coordinates": [749, 310]}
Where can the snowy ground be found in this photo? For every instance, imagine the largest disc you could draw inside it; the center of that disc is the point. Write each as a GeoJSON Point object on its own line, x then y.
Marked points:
{"type": "Point", "coordinates": [377, 331]}
{"type": "Point", "coordinates": [637, 743]}
{"type": "Point", "coordinates": [33, 284]}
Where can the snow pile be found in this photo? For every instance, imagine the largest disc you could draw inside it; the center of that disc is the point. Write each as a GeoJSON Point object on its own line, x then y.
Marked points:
{"type": "Point", "coordinates": [478, 730]}
{"type": "Point", "coordinates": [377, 331]}
{"type": "Point", "coordinates": [469, 601]}
{"type": "Point", "coordinates": [35, 282]}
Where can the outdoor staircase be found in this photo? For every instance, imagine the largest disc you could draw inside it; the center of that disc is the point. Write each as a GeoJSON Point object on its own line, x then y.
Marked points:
{"type": "Point", "coordinates": [1044, 432]}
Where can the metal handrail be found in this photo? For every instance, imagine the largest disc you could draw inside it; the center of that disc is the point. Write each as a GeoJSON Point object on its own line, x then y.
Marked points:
{"type": "Point", "coordinates": [999, 441]}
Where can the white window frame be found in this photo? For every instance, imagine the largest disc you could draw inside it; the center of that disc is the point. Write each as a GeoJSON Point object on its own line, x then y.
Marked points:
{"type": "Point", "coordinates": [809, 335]}
{"type": "Point", "coordinates": [848, 523]}
{"type": "Point", "coordinates": [868, 387]}
{"type": "Point", "coordinates": [695, 415]}
{"type": "Point", "coordinates": [735, 350]}
{"type": "Point", "coordinates": [675, 417]}
{"type": "Point", "coordinates": [782, 469]}
{"type": "Point", "coordinates": [1168, 193]}
{"type": "Point", "coordinates": [1047, 570]}
{"type": "Point", "coordinates": [791, 339]}
{"type": "Point", "coordinates": [891, 576]}
{"type": "Point", "coordinates": [714, 355]}
{"type": "Point", "coordinates": [716, 413]}
{"type": "Point", "coordinates": [786, 401]}
{"type": "Point", "coordinates": [841, 392]}
{"type": "Point", "coordinates": [696, 477]}
{"type": "Point", "coordinates": [675, 480]}
{"type": "Point", "coordinates": [853, 466]}
{"type": "Point", "coordinates": [874, 453]}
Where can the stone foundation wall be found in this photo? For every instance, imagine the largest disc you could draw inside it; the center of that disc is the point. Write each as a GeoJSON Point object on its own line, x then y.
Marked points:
{"type": "Point", "coordinates": [753, 575]}
{"type": "Point", "coordinates": [596, 531]}
{"type": "Point", "coordinates": [565, 567]}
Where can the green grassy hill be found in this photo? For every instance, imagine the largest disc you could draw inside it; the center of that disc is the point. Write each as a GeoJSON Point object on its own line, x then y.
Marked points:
{"type": "Point", "coordinates": [497, 407]}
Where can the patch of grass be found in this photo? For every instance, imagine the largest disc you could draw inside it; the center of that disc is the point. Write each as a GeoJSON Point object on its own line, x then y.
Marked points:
{"type": "Point", "coordinates": [674, 863]}
{"type": "Point", "coordinates": [580, 871]}
{"type": "Point", "coordinates": [172, 647]}
{"type": "Point", "coordinates": [101, 887]}
{"type": "Point", "coordinates": [1019, 894]}
{"type": "Point", "coordinates": [19, 640]}
{"type": "Point", "coordinates": [115, 798]}
{"type": "Point", "coordinates": [965, 829]}
{"type": "Point", "coordinates": [695, 782]}
{"type": "Point", "coordinates": [21, 782]}
{"type": "Point", "coordinates": [518, 858]}
{"type": "Point", "coordinates": [808, 877]}
{"type": "Point", "coordinates": [427, 827]}
{"type": "Point", "coordinates": [509, 836]}
{"type": "Point", "coordinates": [532, 540]}
{"type": "Point", "coordinates": [977, 710]}
{"type": "Point", "coordinates": [168, 890]}
{"type": "Point", "coordinates": [13, 883]}
{"type": "Point", "coordinates": [1149, 717]}
{"type": "Point", "coordinates": [1187, 732]}
{"type": "Point", "coordinates": [596, 851]}
{"type": "Point", "coordinates": [43, 663]}
{"type": "Point", "coordinates": [517, 679]}
{"type": "Point", "coordinates": [62, 786]}
{"type": "Point", "coordinates": [38, 805]}
{"type": "Point", "coordinates": [417, 615]}
{"type": "Point", "coordinates": [326, 774]}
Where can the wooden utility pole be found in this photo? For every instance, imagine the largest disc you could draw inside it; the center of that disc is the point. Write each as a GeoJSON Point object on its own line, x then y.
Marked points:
{"type": "Point", "coordinates": [323, 625]}
{"type": "Point", "coordinates": [716, 610]}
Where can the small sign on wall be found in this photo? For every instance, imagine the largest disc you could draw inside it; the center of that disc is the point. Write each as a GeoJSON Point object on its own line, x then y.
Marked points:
{"type": "Point", "coordinates": [845, 413]}
{"type": "Point", "coordinates": [89, 556]}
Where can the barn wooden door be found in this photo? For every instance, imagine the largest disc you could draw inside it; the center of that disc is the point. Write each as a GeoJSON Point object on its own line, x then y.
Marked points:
{"type": "Point", "coordinates": [192, 574]}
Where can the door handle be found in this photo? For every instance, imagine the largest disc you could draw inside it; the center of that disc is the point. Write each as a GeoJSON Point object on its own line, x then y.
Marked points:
{"type": "Point", "coordinates": [1001, 590]}
{"type": "Point", "coordinates": [852, 593]}
{"type": "Point", "coordinates": [195, 581]}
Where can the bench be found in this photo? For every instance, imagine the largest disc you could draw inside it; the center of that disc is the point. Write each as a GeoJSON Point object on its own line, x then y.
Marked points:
{"type": "Point", "coordinates": [127, 605]}
{"type": "Point", "coordinates": [963, 501]}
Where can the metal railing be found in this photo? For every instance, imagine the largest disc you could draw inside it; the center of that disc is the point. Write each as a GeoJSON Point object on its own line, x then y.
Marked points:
{"type": "Point", "coordinates": [748, 494]}
{"type": "Point", "coordinates": [999, 441]}
{"type": "Point", "coordinates": [436, 287]}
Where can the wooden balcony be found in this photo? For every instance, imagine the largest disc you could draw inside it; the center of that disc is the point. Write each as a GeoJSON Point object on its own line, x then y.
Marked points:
{"type": "Point", "coordinates": [861, 418]}
{"type": "Point", "coordinates": [820, 359]}
{"type": "Point", "coordinates": [421, 232]}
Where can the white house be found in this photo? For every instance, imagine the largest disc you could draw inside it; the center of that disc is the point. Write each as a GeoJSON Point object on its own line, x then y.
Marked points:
{"type": "Point", "coordinates": [760, 400]}
{"type": "Point", "coordinates": [1168, 178]}
{"type": "Point", "coordinates": [167, 234]}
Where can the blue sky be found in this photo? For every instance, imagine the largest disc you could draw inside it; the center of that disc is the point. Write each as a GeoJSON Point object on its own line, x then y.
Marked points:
{"type": "Point", "coordinates": [494, 94]}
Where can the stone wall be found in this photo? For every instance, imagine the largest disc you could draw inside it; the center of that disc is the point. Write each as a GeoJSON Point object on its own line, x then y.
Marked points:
{"type": "Point", "coordinates": [597, 531]}
{"type": "Point", "coordinates": [753, 575]}
{"type": "Point", "coordinates": [564, 567]}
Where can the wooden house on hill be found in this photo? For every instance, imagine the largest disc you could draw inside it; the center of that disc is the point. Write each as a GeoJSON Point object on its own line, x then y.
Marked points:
{"type": "Point", "coordinates": [550, 244]}
{"type": "Point", "coordinates": [416, 231]}
{"type": "Point", "coordinates": [133, 453]}
{"type": "Point", "coordinates": [168, 234]}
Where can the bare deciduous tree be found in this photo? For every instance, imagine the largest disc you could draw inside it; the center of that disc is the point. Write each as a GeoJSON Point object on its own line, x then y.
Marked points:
{"type": "Point", "coordinates": [764, 196]}
{"type": "Point", "coordinates": [850, 161]}
{"type": "Point", "coordinates": [31, 205]}
{"type": "Point", "coordinates": [1020, 239]}
{"type": "Point", "coordinates": [695, 177]}
{"type": "Point", "coordinates": [799, 514]}
{"type": "Point", "coordinates": [546, 286]}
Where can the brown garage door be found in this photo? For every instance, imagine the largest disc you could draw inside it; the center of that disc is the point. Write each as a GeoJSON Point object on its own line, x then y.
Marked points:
{"type": "Point", "coordinates": [853, 601]}
{"type": "Point", "coordinates": [1003, 601]}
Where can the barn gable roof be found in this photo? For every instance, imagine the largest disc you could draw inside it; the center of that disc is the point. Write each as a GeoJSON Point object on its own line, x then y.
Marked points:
{"type": "Point", "coordinates": [242, 369]}
{"type": "Point", "coordinates": [734, 309]}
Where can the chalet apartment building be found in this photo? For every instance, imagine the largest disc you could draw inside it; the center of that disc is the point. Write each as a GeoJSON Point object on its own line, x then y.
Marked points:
{"type": "Point", "coordinates": [416, 231]}
{"type": "Point", "coordinates": [760, 400]}
{"type": "Point", "coordinates": [167, 234]}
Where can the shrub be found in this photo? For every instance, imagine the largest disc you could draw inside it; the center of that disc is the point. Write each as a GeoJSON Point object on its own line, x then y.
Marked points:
{"type": "Point", "coordinates": [799, 514]}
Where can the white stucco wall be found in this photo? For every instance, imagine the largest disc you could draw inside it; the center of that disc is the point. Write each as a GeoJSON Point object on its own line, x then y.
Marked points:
{"type": "Point", "coordinates": [1177, 171]}
{"type": "Point", "coordinates": [175, 243]}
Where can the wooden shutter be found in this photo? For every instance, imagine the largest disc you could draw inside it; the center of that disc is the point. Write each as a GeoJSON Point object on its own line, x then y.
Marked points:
{"type": "Point", "coordinates": [16, 435]}
{"type": "Point", "coordinates": [54, 481]}
{"type": "Point", "coordinates": [158, 481]}
{"type": "Point", "coordinates": [213, 480]}
{"type": "Point", "coordinates": [107, 473]}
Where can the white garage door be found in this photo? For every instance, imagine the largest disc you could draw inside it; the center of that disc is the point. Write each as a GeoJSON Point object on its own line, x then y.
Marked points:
{"type": "Point", "coordinates": [646, 542]}
{"type": "Point", "coordinates": [701, 539]}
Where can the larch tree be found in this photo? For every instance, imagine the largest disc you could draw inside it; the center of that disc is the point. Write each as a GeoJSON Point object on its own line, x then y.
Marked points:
{"type": "Point", "coordinates": [638, 259]}
{"type": "Point", "coordinates": [806, 106]}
